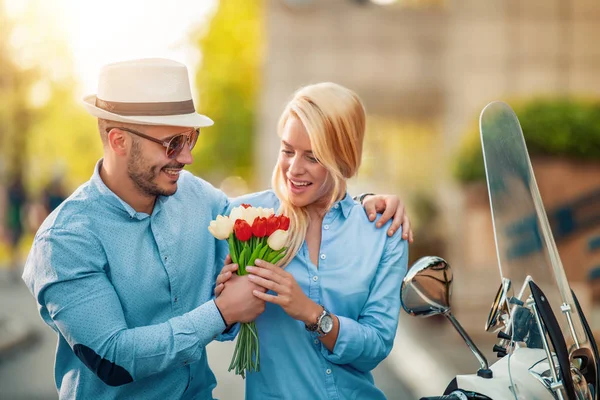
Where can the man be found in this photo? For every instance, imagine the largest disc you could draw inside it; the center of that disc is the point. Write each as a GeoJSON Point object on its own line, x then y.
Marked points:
{"type": "Point", "coordinates": [124, 269]}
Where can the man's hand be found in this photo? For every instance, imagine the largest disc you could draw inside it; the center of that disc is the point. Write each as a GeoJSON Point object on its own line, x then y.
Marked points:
{"type": "Point", "coordinates": [391, 207]}
{"type": "Point", "coordinates": [236, 301]}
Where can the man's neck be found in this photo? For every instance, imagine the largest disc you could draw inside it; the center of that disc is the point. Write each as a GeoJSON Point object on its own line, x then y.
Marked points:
{"type": "Point", "coordinates": [126, 190]}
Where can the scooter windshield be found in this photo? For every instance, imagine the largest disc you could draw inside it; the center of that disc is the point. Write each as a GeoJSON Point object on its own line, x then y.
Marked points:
{"type": "Point", "coordinates": [525, 246]}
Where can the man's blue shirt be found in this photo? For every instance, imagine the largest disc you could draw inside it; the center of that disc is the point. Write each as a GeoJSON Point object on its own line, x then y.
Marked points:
{"type": "Point", "coordinates": [128, 293]}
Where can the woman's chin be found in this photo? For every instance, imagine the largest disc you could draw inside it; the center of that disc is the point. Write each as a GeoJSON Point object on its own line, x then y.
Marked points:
{"type": "Point", "coordinates": [298, 201]}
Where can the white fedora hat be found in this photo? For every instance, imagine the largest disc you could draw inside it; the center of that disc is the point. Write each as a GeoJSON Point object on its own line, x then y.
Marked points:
{"type": "Point", "coordinates": [151, 91]}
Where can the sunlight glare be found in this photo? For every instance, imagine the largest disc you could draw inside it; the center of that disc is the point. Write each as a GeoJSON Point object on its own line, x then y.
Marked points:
{"type": "Point", "coordinates": [116, 30]}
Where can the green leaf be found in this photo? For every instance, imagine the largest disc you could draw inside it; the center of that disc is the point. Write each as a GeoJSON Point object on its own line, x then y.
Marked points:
{"type": "Point", "coordinates": [232, 250]}
{"type": "Point", "coordinates": [262, 253]}
{"type": "Point", "coordinates": [279, 257]}
{"type": "Point", "coordinates": [254, 255]}
{"type": "Point", "coordinates": [242, 262]}
{"type": "Point", "coordinates": [274, 254]}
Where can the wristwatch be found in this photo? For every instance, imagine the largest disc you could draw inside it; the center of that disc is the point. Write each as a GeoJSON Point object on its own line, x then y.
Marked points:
{"type": "Point", "coordinates": [360, 198]}
{"type": "Point", "coordinates": [324, 324]}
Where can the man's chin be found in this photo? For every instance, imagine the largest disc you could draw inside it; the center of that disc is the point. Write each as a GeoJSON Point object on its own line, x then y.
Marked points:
{"type": "Point", "coordinates": [170, 192]}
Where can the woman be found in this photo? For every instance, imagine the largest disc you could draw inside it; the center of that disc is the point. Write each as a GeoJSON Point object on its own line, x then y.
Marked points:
{"type": "Point", "coordinates": [332, 313]}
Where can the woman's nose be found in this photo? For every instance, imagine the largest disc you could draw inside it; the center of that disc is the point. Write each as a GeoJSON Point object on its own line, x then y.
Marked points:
{"type": "Point", "coordinates": [296, 167]}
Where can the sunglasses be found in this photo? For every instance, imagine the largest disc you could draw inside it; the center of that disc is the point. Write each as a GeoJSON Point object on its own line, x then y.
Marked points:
{"type": "Point", "coordinates": [173, 145]}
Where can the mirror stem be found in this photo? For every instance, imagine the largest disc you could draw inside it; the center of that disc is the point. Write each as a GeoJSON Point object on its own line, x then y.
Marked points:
{"type": "Point", "coordinates": [484, 372]}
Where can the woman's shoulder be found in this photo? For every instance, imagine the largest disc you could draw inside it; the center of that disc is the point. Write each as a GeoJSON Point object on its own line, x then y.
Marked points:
{"type": "Point", "coordinates": [265, 199]}
{"type": "Point", "coordinates": [359, 218]}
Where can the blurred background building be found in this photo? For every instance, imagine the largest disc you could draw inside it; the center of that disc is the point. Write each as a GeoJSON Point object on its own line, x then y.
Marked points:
{"type": "Point", "coordinates": [424, 68]}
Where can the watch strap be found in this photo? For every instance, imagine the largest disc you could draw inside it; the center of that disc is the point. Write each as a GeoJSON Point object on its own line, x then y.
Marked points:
{"type": "Point", "coordinates": [315, 326]}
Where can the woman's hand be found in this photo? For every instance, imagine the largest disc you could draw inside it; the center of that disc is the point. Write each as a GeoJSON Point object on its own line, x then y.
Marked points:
{"type": "Point", "coordinates": [228, 270]}
{"type": "Point", "coordinates": [289, 294]}
{"type": "Point", "coordinates": [392, 207]}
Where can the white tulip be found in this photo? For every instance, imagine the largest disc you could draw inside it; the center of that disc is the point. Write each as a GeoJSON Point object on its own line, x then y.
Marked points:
{"type": "Point", "coordinates": [267, 212]}
{"type": "Point", "coordinates": [250, 214]}
{"type": "Point", "coordinates": [221, 228]}
{"type": "Point", "coordinates": [278, 239]}
{"type": "Point", "coordinates": [236, 213]}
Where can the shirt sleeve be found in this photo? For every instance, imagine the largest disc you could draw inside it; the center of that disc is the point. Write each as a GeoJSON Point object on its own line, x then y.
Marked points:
{"type": "Point", "coordinates": [222, 251]}
{"type": "Point", "coordinates": [365, 342]}
{"type": "Point", "coordinates": [66, 274]}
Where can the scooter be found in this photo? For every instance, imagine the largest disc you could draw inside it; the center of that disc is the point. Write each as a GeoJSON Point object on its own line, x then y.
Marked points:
{"type": "Point", "coordinates": [546, 346]}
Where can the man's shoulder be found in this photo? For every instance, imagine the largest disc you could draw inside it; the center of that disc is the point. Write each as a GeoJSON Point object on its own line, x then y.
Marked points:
{"type": "Point", "coordinates": [79, 208]}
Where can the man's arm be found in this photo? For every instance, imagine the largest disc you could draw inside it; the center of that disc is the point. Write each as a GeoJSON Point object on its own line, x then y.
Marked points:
{"type": "Point", "coordinates": [78, 297]}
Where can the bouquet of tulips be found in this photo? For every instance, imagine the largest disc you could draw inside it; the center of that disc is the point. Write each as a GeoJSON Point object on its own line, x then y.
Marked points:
{"type": "Point", "coordinates": [252, 233]}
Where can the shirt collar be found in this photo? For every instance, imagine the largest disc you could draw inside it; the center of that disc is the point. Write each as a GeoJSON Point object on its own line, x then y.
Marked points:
{"type": "Point", "coordinates": [345, 205]}
{"type": "Point", "coordinates": [115, 200]}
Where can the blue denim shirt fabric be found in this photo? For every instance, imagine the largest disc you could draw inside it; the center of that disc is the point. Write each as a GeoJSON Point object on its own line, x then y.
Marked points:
{"type": "Point", "coordinates": [129, 294]}
{"type": "Point", "coordinates": [358, 279]}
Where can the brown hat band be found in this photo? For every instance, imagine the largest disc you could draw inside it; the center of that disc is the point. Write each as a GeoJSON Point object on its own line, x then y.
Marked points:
{"type": "Point", "coordinates": [163, 108]}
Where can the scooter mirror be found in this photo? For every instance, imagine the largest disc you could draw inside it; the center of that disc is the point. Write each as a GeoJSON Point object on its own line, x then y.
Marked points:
{"type": "Point", "coordinates": [427, 287]}
{"type": "Point", "coordinates": [426, 291]}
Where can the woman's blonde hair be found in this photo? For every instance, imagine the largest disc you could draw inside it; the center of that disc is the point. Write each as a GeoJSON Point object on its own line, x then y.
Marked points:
{"type": "Point", "coordinates": [334, 119]}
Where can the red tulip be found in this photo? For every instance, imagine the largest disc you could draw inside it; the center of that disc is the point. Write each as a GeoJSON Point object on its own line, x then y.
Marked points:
{"type": "Point", "coordinates": [243, 231]}
{"type": "Point", "coordinates": [284, 223]}
{"type": "Point", "coordinates": [246, 205]}
{"type": "Point", "coordinates": [259, 227]}
{"type": "Point", "coordinates": [272, 224]}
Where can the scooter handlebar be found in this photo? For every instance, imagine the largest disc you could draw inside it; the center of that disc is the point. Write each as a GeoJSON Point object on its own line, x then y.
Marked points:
{"type": "Point", "coordinates": [458, 395]}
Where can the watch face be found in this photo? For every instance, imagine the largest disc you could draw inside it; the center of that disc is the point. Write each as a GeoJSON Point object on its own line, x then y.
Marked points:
{"type": "Point", "coordinates": [326, 324]}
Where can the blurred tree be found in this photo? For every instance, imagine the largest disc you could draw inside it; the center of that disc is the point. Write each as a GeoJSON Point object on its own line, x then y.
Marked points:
{"type": "Point", "coordinates": [228, 81]}
{"type": "Point", "coordinates": [15, 112]}
{"type": "Point", "coordinates": [43, 129]}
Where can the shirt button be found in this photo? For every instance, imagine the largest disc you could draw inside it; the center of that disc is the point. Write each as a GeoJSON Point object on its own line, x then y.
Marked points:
{"type": "Point", "coordinates": [166, 258]}
{"type": "Point", "coordinates": [336, 206]}
{"type": "Point", "coordinates": [316, 341]}
{"type": "Point", "coordinates": [315, 278]}
{"type": "Point", "coordinates": [328, 371]}
{"type": "Point", "coordinates": [323, 256]}
{"type": "Point", "coordinates": [325, 227]}
{"type": "Point", "coordinates": [176, 298]}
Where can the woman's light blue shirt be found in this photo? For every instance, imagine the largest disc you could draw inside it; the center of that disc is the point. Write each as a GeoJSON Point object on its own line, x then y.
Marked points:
{"type": "Point", "coordinates": [358, 279]}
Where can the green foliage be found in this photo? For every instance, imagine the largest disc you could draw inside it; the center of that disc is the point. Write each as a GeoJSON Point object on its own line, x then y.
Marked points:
{"type": "Point", "coordinates": [563, 127]}
{"type": "Point", "coordinates": [64, 139]}
{"type": "Point", "coordinates": [228, 82]}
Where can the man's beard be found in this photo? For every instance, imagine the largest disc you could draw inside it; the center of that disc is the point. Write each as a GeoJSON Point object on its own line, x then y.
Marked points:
{"type": "Point", "coordinates": [143, 177]}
